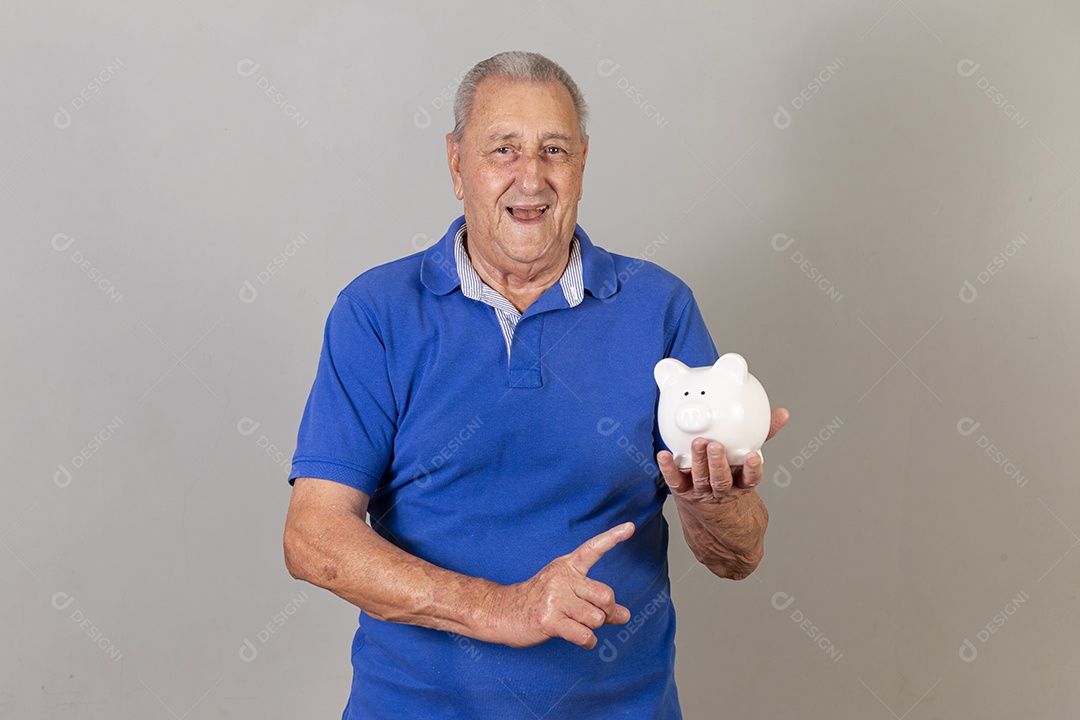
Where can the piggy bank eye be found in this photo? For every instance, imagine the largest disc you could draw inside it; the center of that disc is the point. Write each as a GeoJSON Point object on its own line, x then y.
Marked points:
{"type": "Point", "coordinates": [686, 393]}
{"type": "Point", "coordinates": [702, 392]}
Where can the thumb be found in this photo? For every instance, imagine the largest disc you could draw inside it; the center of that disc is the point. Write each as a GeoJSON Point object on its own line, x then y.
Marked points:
{"type": "Point", "coordinates": [589, 552]}
{"type": "Point", "coordinates": [777, 420]}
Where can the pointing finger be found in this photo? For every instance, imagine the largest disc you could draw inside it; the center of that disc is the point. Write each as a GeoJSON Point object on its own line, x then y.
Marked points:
{"type": "Point", "coordinates": [589, 552]}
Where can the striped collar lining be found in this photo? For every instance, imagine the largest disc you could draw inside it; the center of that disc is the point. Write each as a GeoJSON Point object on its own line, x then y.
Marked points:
{"type": "Point", "coordinates": [474, 288]}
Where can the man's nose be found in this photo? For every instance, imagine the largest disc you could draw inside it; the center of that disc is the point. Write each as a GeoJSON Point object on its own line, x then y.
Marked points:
{"type": "Point", "coordinates": [530, 176]}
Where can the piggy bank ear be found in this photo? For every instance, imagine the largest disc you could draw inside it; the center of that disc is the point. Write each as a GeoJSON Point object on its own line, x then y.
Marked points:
{"type": "Point", "coordinates": [732, 365]}
{"type": "Point", "coordinates": [668, 371]}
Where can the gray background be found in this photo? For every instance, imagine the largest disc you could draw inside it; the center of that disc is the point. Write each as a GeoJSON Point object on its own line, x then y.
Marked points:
{"type": "Point", "coordinates": [148, 181]}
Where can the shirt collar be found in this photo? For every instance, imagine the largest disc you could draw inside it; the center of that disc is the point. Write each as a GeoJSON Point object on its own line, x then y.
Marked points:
{"type": "Point", "coordinates": [592, 272]}
{"type": "Point", "coordinates": [472, 286]}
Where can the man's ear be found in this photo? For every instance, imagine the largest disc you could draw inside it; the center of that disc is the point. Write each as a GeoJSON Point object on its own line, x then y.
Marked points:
{"type": "Point", "coordinates": [584, 157]}
{"type": "Point", "coordinates": [453, 160]}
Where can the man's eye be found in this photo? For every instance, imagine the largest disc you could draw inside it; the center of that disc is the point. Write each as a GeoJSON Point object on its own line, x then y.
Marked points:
{"type": "Point", "coordinates": [552, 150]}
{"type": "Point", "coordinates": [503, 150]}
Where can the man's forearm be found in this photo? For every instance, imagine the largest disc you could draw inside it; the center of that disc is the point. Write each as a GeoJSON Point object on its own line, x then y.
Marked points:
{"type": "Point", "coordinates": [727, 538]}
{"type": "Point", "coordinates": [328, 544]}
{"type": "Point", "coordinates": [345, 556]}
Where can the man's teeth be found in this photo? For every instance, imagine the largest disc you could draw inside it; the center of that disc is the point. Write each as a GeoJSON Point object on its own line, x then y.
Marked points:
{"type": "Point", "coordinates": [529, 211]}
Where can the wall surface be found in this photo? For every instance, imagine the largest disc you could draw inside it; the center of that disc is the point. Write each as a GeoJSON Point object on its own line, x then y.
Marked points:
{"type": "Point", "coordinates": [875, 202]}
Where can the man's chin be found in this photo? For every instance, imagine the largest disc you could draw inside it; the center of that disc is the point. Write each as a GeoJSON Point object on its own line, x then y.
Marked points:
{"type": "Point", "coordinates": [528, 244]}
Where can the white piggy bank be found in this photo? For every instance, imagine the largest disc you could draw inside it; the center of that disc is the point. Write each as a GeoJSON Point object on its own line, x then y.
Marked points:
{"type": "Point", "coordinates": [722, 402]}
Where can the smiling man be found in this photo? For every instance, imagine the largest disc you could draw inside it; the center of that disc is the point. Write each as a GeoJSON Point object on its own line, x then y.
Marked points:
{"type": "Point", "coordinates": [479, 402]}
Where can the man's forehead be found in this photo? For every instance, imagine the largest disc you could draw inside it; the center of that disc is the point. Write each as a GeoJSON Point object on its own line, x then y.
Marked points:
{"type": "Point", "coordinates": [501, 103]}
{"type": "Point", "coordinates": [499, 134]}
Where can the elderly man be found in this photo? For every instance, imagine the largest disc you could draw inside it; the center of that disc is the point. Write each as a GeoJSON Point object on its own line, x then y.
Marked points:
{"type": "Point", "coordinates": [477, 401]}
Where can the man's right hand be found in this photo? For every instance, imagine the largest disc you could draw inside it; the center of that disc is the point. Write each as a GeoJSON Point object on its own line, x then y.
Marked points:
{"type": "Point", "coordinates": [560, 601]}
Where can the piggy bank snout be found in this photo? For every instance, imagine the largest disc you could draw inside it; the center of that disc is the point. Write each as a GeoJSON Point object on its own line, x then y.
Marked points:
{"type": "Point", "coordinates": [693, 417]}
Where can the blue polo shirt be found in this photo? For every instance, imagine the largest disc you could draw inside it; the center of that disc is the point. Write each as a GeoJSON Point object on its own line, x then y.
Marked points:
{"type": "Point", "coordinates": [492, 462]}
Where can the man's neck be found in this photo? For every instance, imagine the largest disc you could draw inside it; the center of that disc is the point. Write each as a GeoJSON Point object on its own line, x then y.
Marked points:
{"type": "Point", "coordinates": [523, 285]}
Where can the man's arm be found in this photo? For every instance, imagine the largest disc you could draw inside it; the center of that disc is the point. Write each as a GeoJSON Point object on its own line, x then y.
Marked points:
{"type": "Point", "coordinates": [728, 538]}
{"type": "Point", "coordinates": [328, 543]}
{"type": "Point", "coordinates": [723, 518]}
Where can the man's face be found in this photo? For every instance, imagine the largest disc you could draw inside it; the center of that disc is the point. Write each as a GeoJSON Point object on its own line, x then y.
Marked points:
{"type": "Point", "coordinates": [518, 169]}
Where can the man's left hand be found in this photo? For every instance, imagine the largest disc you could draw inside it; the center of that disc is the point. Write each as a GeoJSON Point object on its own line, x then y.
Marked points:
{"type": "Point", "coordinates": [711, 479]}
{"type": "Point", "coordinates": [723, 519]}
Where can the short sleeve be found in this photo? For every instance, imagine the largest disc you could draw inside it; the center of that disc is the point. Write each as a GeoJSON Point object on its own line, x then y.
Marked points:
{"type": "Point", "coordinates": [692, 344]}
{"type": "Point", "coordinates": [347, 431]}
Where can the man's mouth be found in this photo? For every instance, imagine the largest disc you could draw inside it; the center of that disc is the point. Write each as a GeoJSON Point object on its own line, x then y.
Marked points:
{"type": "Point", "coordinates": [527, 212]}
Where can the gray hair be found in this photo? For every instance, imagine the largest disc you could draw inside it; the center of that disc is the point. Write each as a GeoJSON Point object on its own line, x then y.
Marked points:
{"type": "Point", "coordinates": [514, 65]}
